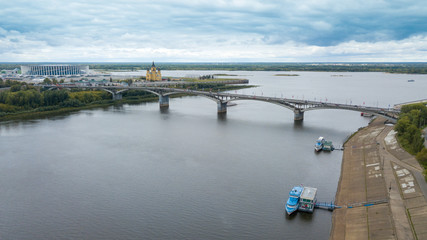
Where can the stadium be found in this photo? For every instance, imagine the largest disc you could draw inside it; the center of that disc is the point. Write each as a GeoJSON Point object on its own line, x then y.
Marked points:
{"type": "Point", "coordinates": [55, 70]}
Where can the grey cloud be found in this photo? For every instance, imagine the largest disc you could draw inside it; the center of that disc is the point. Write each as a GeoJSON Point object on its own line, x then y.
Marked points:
{"type": "Point", "coordinates": [203, 24]}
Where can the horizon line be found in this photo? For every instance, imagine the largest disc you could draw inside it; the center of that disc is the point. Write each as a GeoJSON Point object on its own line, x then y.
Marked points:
{"type": "Point", "coordinates": [204, 62]}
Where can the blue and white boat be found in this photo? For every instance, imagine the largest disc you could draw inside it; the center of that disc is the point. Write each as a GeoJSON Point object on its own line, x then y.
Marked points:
{"type": "Point", "coordinates": [319, 144]}
{"type": "Point", "coordinates": [293, 201]}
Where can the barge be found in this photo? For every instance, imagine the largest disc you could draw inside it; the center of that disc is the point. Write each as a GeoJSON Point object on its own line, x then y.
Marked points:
{"type": "Point", "coordinates": [308, 199]}
{"type": "Point", "coordinates": [327, 146]}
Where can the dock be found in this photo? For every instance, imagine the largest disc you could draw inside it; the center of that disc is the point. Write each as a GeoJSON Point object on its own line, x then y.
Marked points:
{"type": "Point", "coordinates": [326, 205]}
{"type": "Point", "coordinates": [331, 205]}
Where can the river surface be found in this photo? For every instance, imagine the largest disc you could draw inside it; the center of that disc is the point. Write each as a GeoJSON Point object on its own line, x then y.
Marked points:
{"type": "Point", "coordinates": [135, 172]}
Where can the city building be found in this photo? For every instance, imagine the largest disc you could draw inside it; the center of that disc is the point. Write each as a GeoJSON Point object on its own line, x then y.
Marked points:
{"type": "Point", "coordinates": [54, 70]}
{"type": "Point", "coordinates": [10, 72]}
{"type": "Point", "coordinates": [154, 74]}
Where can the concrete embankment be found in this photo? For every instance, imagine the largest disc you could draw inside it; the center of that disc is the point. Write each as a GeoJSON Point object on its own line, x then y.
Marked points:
{"type": "Point", "coordinates": [380, 189]}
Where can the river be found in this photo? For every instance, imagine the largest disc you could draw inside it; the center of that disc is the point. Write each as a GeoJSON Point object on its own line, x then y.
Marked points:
{"type": "Point", "coordinates": [135, 172]}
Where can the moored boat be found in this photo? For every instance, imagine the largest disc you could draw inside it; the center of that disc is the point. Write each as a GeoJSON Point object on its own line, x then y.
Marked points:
{"type": "Point", "coordinates": [363, 114]}
{"type": "Point", "coordinates": [293, 201]}
{"type": "Point", "coordinates": [308, 199]}
{"type": "Point", "coordinates": [319, 144]}
{"type": "Point", "coordinates": [327, 146]}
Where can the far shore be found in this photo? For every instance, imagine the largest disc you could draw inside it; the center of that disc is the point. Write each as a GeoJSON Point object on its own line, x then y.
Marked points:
{"type": "Point", "coordinates": [286, 75]}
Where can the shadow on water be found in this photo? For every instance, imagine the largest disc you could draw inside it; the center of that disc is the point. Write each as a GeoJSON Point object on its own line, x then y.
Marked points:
{"type": "Point", "coordinates": [164, 110]}
{"type": "Point", "coordinates": [301, 216]}
{"type": "Point", "coordinates": [60, 116]}
{"type": "Point", "coordinates": [305, 217]}
{"type": "Point", "coordinates": [290, 217]}
{"type": "Point", "coordinates": [164, 113]}
{"type": "Point", "coordinates": [298, 125]}
{"type": "Point", "coordinates": [222, 117]}
{"type": "Point", "coordinates": [114, 107]}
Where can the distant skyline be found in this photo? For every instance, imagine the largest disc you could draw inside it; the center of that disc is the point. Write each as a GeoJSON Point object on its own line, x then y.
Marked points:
{"type": "Point", "coordinates": [213, 31]}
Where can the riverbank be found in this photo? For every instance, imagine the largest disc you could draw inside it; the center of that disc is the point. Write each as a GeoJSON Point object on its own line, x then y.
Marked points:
{"type": "Point", "coordinates": [40, 114]}
{"type": "Point", "coordinates": [377, 173]}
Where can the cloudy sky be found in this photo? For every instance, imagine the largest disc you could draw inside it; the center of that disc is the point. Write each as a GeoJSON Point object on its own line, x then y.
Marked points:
{"type": "Point", "coordinates": [213, 31]}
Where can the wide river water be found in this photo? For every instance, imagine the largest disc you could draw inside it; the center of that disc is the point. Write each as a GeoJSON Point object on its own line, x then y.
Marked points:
{"type": "Point", "coordinates": [135, 172]}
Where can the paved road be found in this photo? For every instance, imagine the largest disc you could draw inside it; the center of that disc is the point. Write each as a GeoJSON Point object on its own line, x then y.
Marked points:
{"type": "Point", "coordinates": [398, 106]}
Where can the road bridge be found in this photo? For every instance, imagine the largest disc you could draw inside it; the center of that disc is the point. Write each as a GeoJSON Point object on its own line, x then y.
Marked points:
{"type": "Point", "coordinates": [399, 106]}
{"type": "Point", "coordinates": [298, 106]}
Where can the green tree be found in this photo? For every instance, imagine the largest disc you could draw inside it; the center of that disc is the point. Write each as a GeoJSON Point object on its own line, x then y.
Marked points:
{"type": "Point", "coordinates": [33, 98]}
{"type": "Point", "coordinates": [47, 81]}
{"type": "Point", "coordinates": [26, 99]}
{"type": "Point", "coordinates": [3, 96]}
{"type": "Point", "coordinates": [15, 88]}
{"type": "Point", "coordinates": [55, 97]}
{"type": "Point", "coordinates": [71, 103]}
{"type": "Point", "coordinates": [5, 108]}
{"type": "Point", "coordinates": [88, 96]}
{"type": "Point", "coordinates": [412, 118]}
{"type": "Point", "coordinates": [417, 113]}
{"type": "Point", "coordinates": [422, 157]}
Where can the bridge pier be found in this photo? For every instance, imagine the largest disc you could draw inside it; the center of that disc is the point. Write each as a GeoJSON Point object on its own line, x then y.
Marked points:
{"type": "Point", "coordinates": [298, 115]}
{"type": "Point", "coordinates": [222, 107]}
{"type": "Point", "coordinates": [117, 96]}
{"type": "Point", "coordinates": [164, 101]}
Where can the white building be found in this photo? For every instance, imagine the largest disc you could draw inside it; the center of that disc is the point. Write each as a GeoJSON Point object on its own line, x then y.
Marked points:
{"type": "Point", "coordinates": [54, 70]}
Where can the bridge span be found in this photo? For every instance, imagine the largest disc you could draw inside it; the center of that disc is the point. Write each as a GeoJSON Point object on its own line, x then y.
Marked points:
{"type": "Point", "coordinates": [298, 106]}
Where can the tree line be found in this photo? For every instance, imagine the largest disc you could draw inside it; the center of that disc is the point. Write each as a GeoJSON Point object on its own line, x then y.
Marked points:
{"type": "Point", "coordinates": [411, 122]}
{"type": "Point", "coordinates": [8, 83]}
{"type": "Point", "coordinates": [23, 97]}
